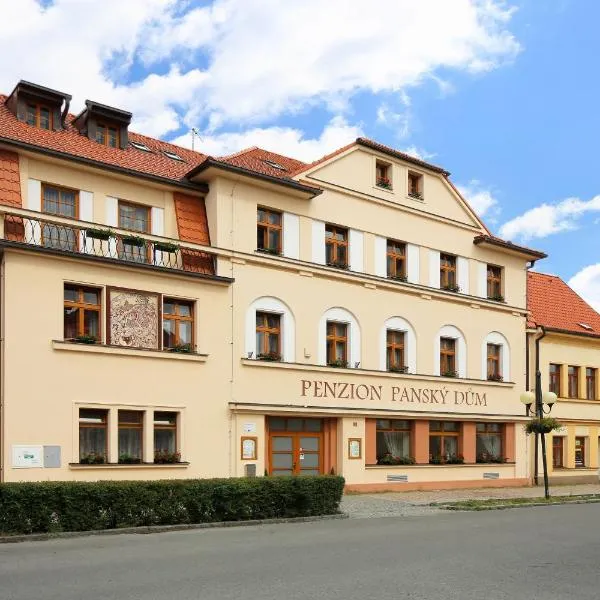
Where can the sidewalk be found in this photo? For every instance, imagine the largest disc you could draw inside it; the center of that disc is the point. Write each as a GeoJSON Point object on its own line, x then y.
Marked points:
{"type": "Point", "coordinates": [397, 504]}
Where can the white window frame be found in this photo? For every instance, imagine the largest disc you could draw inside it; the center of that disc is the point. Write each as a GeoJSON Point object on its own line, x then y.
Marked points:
{"type": "Point", "coordinates": [450, 331]}
{"type": "Point", "coordinates": [340, 315]}
{"type": "Point", "coordinates": [269, 304]}
{"type": "Point", "coordinates": [495, 337]}
{"type": "Point", "coordinates": [410, 343]}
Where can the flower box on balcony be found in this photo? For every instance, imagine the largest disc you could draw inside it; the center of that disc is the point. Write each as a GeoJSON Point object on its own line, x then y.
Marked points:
{"type": "Point", "coordinates": [269, 356]}
{"type": "Point", "coordinates": [451, 288]}
{"type": "Point", "coordinates": [98, 234]}
{"type": "Point", "coordinates": [166, 247]}
{"type": "Point", "coordinates": [338, 364]}
{"type": "Point", "coordinates": [133, 240]}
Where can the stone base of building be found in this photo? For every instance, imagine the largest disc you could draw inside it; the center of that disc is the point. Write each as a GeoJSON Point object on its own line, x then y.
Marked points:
{"type": "Point", "coordinates": [435, 485]}
{"type": "Point", "coordinates": [590, 476]}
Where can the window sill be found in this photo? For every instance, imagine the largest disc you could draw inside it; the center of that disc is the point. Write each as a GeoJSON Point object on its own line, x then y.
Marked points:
{"type": "Point", "coordinates": [80, 467]}
{"type": "Point", "coordinates": [380, 188]}
{"type": "Point", "coordinates": [452, 466]}
{"type": "Point", "coordinates": [122, 350]}
{"type": "Point", "coordinates": [415, 198]}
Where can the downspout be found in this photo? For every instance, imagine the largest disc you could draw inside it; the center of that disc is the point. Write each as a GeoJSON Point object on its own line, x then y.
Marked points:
{"type": "Point", "coordinates": [65, 112]}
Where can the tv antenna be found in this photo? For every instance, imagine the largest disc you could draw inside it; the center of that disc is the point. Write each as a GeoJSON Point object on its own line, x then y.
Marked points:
{"type": "Point", "coordinates": [195, 133]}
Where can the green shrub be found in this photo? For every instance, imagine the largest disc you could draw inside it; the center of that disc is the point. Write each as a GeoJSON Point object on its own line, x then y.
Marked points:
{"type": "Point", "coordinates": [47, 507]}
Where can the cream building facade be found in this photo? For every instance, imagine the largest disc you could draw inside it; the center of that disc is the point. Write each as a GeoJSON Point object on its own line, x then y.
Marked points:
{"type": "Point", "coordinates": [166, 314]}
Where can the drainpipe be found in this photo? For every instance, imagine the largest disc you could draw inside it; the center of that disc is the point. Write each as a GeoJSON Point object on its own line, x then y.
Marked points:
{"type": "Point", "coordinates": [65, 112]}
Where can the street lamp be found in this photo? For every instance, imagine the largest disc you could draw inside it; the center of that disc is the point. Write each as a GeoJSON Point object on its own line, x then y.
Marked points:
{"type": "Point", "coordinates": [540, 400]}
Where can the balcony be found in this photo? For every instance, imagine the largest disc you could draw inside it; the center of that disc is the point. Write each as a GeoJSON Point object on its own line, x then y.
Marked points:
{"type": "Point", "coordinates": [57, 235]}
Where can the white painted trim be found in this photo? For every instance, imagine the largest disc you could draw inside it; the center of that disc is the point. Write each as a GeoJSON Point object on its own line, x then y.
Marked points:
{"type": "Point", "coordinates": [380, 256]}
{"type": "Point", "coordinates": [412, 263]}
{"type": "Point", "coordinates": [291, 235]}
{"type": "Point", "coordinates": [157, 220]}
{"type": "Point", "coordinates": [111, 211]}
{"type": "Point", "coordinates": [410, 343]}
{"type": "Point", "coordinates": [34, 195]}
{"type": "Point", "coordinates": [462, 275]}
{"type": "Point", "coordinates": [288, 326]}
{"type": "Point", "coordinates": [341, 315]}
{"type": "Point", "coordinates": [86, 213]}
{"type": "Point", "coordinates": [494, 337]}
{"type": "Point", "coordinates": [482, 279]}
{"type": "Point", "coordinates": [357, 251]}
{"type": "Point", "coordinates": [318, 242]}
{"type": "Point", "coordinates": [434, 269]}
{"type": "Point", "coordinates": [450, 331]}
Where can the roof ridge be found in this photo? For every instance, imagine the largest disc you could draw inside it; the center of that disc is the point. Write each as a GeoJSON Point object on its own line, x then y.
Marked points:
{"type": "Point", "coordinates": [239, 152]}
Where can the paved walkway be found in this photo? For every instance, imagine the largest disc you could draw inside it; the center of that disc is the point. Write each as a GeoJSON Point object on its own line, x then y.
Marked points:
{"type": "Point", "coordinates": [397, 504]}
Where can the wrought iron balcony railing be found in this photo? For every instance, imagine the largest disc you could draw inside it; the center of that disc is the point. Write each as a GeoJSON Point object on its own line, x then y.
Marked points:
{"type": "Point", "coordinates": [102, 242]}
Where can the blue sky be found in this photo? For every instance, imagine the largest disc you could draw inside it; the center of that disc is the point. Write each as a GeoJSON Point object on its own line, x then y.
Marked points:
{"type": "Point", "coordinates": [503, 94]}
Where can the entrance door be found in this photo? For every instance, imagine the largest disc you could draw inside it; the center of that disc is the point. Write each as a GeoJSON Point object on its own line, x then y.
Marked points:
{"type": "Point", "coordinates": [295, 446]}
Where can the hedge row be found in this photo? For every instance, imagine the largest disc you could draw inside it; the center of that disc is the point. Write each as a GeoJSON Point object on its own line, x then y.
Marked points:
{"type": "Point", "coordinates": [47, 507]}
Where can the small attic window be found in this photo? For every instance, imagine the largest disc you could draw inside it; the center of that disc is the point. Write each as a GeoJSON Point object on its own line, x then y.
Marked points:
{"type": "Point", "coordinates": [107, 135]}
{"type": "Point", "coordinates": [172, 155]}
{"type": "Point", "coordinates": [139, 146]}
{"type": "Point", "coordinates": [586, 326]}
{"type": "Point", "coordinates": [274, 164]}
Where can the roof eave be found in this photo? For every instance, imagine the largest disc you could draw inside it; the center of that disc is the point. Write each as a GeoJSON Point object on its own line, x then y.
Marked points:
{"type": "Point", "coordinates": [571, 332]}
{"type": "Point", "coordinates": [497, 243]}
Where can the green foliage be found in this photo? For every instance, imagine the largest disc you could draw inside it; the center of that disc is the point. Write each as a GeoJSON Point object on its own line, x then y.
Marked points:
{"type": "Point", "coordinates": [389, 459]}
{"type": "Point", "coordinates": [338, 363]}
{"type": "Point", "coordinates": [166, 247]}
{"type": "Point", "coordinates": [49, 506]}
{"type": "Point", "coordinates": [543, 425]}
{"type": "Point", "coordinates": [85, 339]}
{"type": "Point", "coordinates": [166, 457]}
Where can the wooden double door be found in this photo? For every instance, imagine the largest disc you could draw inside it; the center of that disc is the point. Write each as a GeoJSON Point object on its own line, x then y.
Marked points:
{"type": "Point", "coordinates": [295, 446]}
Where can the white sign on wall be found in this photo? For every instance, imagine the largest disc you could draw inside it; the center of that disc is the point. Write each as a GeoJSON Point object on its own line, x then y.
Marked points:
{"type": "Point", "coordinates": [27, 457]}
{"type": "Point", "coordinates": [249, 427]}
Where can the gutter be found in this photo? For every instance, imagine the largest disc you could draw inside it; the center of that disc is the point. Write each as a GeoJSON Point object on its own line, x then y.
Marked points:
{"type": "Point", "coordinates": [197, 187]}
{"type": "Point", "coordinates": [290, 183]}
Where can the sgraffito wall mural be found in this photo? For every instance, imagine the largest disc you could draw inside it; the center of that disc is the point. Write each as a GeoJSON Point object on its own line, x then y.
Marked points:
{"type": "Point", "coordinates": [133, 318]}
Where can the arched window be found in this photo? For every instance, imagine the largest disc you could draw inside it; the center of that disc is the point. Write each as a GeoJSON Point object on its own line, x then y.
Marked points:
{"type": "Point", "coordinates": [339, 338]}
{"type": "Point", "coordinates": [495, 357]}
{"type": "Point", "coordinates": [450, 352]}
{"type": "Point", "coordinates": [270, 330]}
{"type": "Point", "coordinates": [398, 344]}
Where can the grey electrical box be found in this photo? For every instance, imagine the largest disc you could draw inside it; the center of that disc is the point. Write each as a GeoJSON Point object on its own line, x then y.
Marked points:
{"type": "Point", "coordinates": [250, 470]}
{"type": "Point", "coordinates": [51, 457]}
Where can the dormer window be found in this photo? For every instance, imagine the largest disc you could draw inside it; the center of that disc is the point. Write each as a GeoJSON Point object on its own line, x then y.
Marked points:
{"type": "Point", "coordinates": [383, 175]}
{"type": "Point", "coordinates": [139, 146]}
{"type": "Point", "coordinates": [39, 115]}
{"type": "Point", "coordinates": [415, 185]}
{"type": "Point", "coordinates": [107, 135]}
{"type": "Point", "coordinates": [172, 155]}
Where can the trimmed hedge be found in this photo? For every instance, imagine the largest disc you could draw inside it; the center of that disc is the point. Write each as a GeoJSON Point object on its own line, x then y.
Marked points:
{"type": "Point", "coordinates": [48, 507]}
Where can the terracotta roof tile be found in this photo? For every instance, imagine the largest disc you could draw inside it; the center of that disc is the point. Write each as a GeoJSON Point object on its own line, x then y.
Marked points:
{"type": "Point", "coordinates": [10, 183]}
{"type": "Point", "coordinates": [71, 142]}
{"type": "Point", "coordinates": [256, 159]}
{"type": "Point", "coordinates": [192, 223]}
{"type": "Point", "coordinates": [553, 304]}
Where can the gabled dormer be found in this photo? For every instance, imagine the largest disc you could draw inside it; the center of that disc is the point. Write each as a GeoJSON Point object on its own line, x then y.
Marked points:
{"type": "Point", "coordinates": [104, 124]}
{"type": "Point", "coordinates": [39, 106]}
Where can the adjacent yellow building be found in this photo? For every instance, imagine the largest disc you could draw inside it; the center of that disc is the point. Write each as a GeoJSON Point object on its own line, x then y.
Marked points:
{"type": "Point", "coordinates": [168, 314]}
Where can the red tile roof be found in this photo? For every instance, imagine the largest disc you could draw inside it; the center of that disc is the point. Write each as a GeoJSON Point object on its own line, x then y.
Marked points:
{"type": "Point", "coordinates": [255, 159]}
{"type": "Point", "coordinates": [10, 182]}
{"type": "Point", "coordinates": [72, 143]}
{"type": "Point", "coordinates": [554, 305]}
{"type": "Point", "coordinates": [192, 223]}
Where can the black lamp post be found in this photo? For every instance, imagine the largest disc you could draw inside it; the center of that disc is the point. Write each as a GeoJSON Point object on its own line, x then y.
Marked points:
{"type": "Point", "coordinates": [540, 401]}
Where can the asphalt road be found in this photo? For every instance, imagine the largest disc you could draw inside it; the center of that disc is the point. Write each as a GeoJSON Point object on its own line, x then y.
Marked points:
{"type": "Point", "coordinates": [548, 553]}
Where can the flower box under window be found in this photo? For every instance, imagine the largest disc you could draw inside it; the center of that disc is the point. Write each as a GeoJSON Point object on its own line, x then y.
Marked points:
{"type": "Point", "coordinates": [389, 459]}
{"type": "Point", "coordinates": [338, 364]}
{"type": "Point", "coordinates": [269, 356]}
{"type": "Point", "coordinates": [397, 369]}
{"type": "Point", "coordinates": [338, 265]}
{"type": "Point", "coordinates": [384, 182]}
{"type": "Point", "coordinates": [417, 195]}
{"type": "Point", "coordinates": [449, 374]}
{"type": "Point", "coordinates": [451, 288]}
{"type": "Point", "coordinates": [495, 377]}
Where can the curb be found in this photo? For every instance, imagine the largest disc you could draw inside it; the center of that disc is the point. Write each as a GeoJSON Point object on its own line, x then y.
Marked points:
{"type": "Point", "coordinates": [523, 505]}
{"type": "Point", "coordinates": [42, 537]}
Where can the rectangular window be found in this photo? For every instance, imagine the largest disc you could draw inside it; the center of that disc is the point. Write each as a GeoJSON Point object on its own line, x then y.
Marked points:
{"type": "Point", "coordinates": [557, 452]}
{"type": "Point", "coordinates": [135, 218]}
{"type": "Point", "coordinates": [268, 336]}
{"type": "Point", "coordinates": [573, 382]}
{"type": "Point", "coordinates": [63, 203]}
{"type": "Point", "coordinates": [39, 115]}
{"type": "Point", "coordinates": [336, 246]}
{"type": "Point", "coordinates": [131, 430]}
{"type": "Point", "coordinates": [580, 452]}
{"type": "Point", "coordinates": [494, 283]}
{"type": "Point", "coordinates": [165, 438]}
{"type": "Point", "coordinates": [382, 175]}
{"type": "Point", "coordinates": [590, 383]}
{"type": "Point", "coordinates": [555, 379]}
{"type": "Point", "coordinates": [393, 442]}
{"type": "Point", "coordinates": [448, 357]}
{"type": "Point", "coordinates": [396, 260]}
{"type": "Point", "coordinates": [443, 442]}
{"type": "Point", "coordinates": [93, 437]}
{"type": "Point", "coordinates": [395, 351]}
{"type": "Point", "coordinates": [107, 135]}
{"type": "Point", "coordinates": [82, 311]}
{"type": "Point", "coordinates": [415, 185]}
{"type": "Point", "coordinates": [337, 344]}
{"type": "Point", "coordinates": [494, 371]}
{"type": "Point", "coordinates": [268, 230]}
{"type": "Point", "coordinates": [178, 325]}
{"type": "Point", "coordinates": [448, 272]}
{"type": "Point", "coordinates": [489, 443]}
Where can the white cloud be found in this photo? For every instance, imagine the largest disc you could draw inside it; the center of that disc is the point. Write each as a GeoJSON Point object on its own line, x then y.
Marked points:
{"type": "Point", "coordinates": [284, 140]}
{"type": "Point", "coordinates": [587, 284]}
{"type": "Point", "coordinates": [481, 199]}
{"type": "Point", "coordinates": [419, 153]}
{"type": "Point", "coordinates": [259, 60]}
{"type": "Point", "coordinates": [546, 219]}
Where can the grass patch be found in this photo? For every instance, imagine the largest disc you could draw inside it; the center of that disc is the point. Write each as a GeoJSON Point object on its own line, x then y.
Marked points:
{"type": "Point", "coordinates": [496, 503]}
